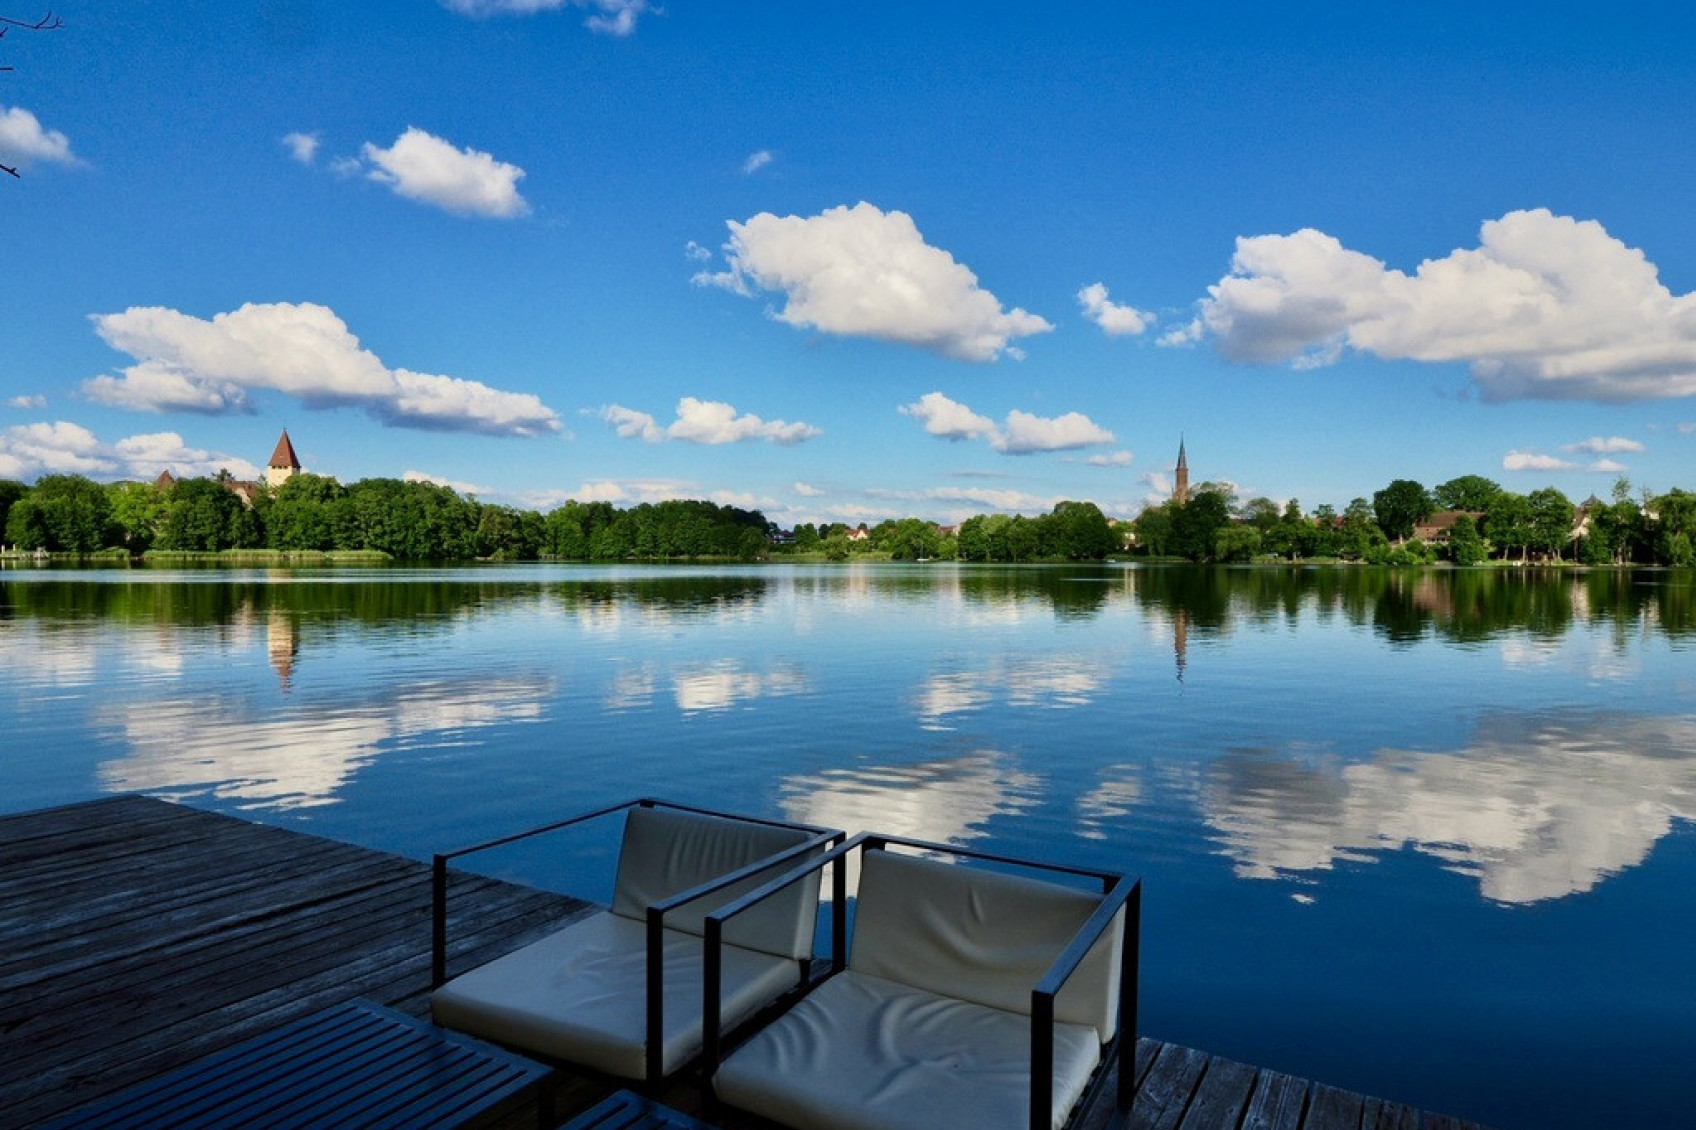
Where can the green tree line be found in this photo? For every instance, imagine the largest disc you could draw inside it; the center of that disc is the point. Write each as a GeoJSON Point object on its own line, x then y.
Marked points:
{"type": "Point", "coordinates": [1484, 522]}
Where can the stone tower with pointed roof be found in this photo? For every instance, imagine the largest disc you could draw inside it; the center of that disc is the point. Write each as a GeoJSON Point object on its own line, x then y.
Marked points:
{"type": "Point", "coordinates": [284, 465]}
{"type": "Point", "coordinates": [1181, 485]}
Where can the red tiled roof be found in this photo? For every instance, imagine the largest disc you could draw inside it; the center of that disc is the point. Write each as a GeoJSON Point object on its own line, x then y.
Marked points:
{"type": "Point", "coordinates": [284, 455]}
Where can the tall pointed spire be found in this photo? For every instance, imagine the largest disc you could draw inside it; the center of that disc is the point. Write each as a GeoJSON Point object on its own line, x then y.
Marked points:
{"type": "Point", "coordinates": [1181, 487]}
{"type": "Point", "coordinates": [284, 464]}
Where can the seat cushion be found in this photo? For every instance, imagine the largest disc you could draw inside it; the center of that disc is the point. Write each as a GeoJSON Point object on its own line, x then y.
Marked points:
{"type": "Point", "coordinates": [581, 995]}
{"type": "Point", "coordinates": [982, 936]}
{"type": "Point", "coordinates": [666, 851]}
{"type": "Point", "coordinates": [864, 1053]}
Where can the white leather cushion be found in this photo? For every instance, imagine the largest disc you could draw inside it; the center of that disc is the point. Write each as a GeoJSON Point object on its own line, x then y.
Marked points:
{"type": "Point", "coordinates": [667, 851]}
{"type": "Point", "coordinates": [863, 1053]}
{"type": "Point", "coordinates": [581, 995]}
{"type": "Point", "coordinates": [982, 936]}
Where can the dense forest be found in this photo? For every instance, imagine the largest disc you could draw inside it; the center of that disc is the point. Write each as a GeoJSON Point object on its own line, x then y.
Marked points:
{"type": "Point", "coordinates": [1477, 521]}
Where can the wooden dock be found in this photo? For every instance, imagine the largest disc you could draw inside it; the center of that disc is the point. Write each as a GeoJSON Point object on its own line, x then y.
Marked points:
{"type": "Point", "coordinates": [138, 935]}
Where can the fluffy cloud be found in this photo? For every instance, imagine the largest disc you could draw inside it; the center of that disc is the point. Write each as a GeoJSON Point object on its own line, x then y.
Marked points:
{"type": "Point", "coordinates": [33, 401]}
{"type": "Point", "coordinates": [1021, 434]}
{"type": "Point", "coordinates": [63, 448]}
{"type": "Point", "coordinates": [757, 161]}
{"type": "Point", "coordinates": [807, 490]}
{"type": "Point", "coordinates": [705, 421]}
{"type": "Point", "coordinates": [609, 17]}
{"type": "Point", "coordinates": [973, 499]}
{"type": "Point", "coordinates": [23, 142]}
{"type": "Point", "coordinates": [1115, 319]}
{"type": "Point", "coordinates": [303, 147]}
{"type": "Point", "coordinates": [948, 419]}
{"type": "Point", "coordinates": [862, 272]}
{"type": "Point", "coordinates": [634, 490]}
{"type": "Point", "coordinates": [1116, 459]}
{"type": "Point", "coordinates": [1613, 445]}
{"type": "Point", "coordinates": [187, 364]}
{"type": "Point", "coordinates": [1546, 307]}
{"type": "Point", "coordinates": [466, 182]}
{"type": "Point", "coordinates": [1532, 460]}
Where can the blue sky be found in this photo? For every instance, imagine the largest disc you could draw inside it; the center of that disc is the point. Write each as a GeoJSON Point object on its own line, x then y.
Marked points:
{"type": "Point", "coordinates": [853, 261]}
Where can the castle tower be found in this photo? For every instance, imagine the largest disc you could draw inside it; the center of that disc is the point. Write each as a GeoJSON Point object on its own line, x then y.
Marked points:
{"type": "Point", "coordinates": [1180, 488]}
{"type": "Point", "coordinates": [283, 466]}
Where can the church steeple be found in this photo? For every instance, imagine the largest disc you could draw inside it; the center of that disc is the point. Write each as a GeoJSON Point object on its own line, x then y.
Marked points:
{"type": "Point", "coordinates": [1181, 487]}
{"type": "Point", "coordinates": [284, 465]}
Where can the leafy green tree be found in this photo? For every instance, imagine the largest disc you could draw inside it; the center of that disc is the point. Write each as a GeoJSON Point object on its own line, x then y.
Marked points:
{"type": "Point", "coordinates": [1508, 524]}
{"type": "Point", "coordinates": [62, 514]}
{"type": "Point", "coordinates": [807, 538]}
{"type": "Point", "coordinates": [1466, 545]}
{"type": "Point", "coordinates": [1399, 507]}
{"type": "Point", "coordinates": [1551, 521]}
{"type": "Point", "coordinates": [202, 515]}
{"type": "Point", "coordinates": [1078, 531]}
{"type": "Point", "coordinates": [1326, 539]}
{"type": "Point", "coordinates": [1359, 534]}
{"type": "Point", "coordinates": [1196, 524]}
{"type": "Point", "coordinates": [10, 491]}
{"type": "Point", "coordinates": [1261, 513]}
{"type": "Point", "coordinates": [836, 546]}
{"type": "Point", "coordinates": [300, 514]}
{"type": "Point", "coordinates": [1236, 542]}
{"type": "Point", "coordinates": [1153, 529]}
{"type": "Point", "coordinates": [912, 539]}
{"type": "Point", "coordinates": [138, 513]}
{"type": "Point", "coordinates": [1468, 492]}
{"type": "Point", "coordinates": [1675, 527]}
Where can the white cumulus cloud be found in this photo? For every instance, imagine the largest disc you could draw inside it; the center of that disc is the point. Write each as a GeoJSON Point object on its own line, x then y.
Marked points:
{"type": "Point", "coordinates": [303, 147]}
{"type": "Point", "coordinates": [1546, 307]}
{"type": "Point", "coordinates": [1535, 461]}
{"type": "Point", "coordinates": [1116, 459]}
{"type": "Point", "coordinates": [1115, 319]}
{"type": "Point", "coordinates": [706, 422]}
{"type": "Point", "coordinates": [807, 490]}
{"type": "Point", "coordinates": [64, 448]}
{"type": "Point", "coordinates": [303, 350]}
{"type": "Point", "coordinates": [609, 17]}
{"type": "Point", "coordinates": [421, 166]}
{"type": "Point", "coordinates": [35, 400]}
{"type": "Point", "coordinates": [1021, 434]}
{"type": "Point", "coordinates": [1611, 445]}
{"type": "Point", "coordinates": [457, 486]}
{"type": "Point", "coordinates": [23, 141]}
{"type": "Point", "coordinates": [757, 161]}
{"type": "Point", "coordinates": [863, 272]}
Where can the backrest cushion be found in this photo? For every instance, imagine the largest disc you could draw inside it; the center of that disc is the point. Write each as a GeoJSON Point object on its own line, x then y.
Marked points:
{"type": "Point", "coordinates": [667, 851]}
{"type": "Point", "coordinates": [982, 936]}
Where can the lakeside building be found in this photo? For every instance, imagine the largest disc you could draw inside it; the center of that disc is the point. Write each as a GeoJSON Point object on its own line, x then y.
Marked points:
{"type": "Point", "coordinates": [1181, 476]}
{"type": "Point", "coordinates": [284, 465]}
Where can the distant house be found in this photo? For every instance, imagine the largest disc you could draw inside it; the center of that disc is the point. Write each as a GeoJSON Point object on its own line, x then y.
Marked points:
{"type": "Point", "coordinates": [284, 465]}
{"type": "Point", "coordinates": [166, 480]}
{"type": "Point", "coordinates": [783, 537]}
{"type": "Point", "coordinates": [1439, 527]}
{"type": "Point", "coordinates": [859, 535]}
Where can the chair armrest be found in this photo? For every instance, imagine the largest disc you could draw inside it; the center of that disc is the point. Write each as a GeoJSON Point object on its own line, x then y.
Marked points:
{"type": "Point", "coordinates": [1124, 894]}
{"type": "Point", "coordinates": [655, 924]}
{"type": "Point", "coordinates": [713, 970]}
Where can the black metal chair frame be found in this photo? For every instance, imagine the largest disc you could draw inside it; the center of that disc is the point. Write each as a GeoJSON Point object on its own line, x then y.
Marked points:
{"type": "Point", "coordinates": [655, 914]}
{"type": "Point", "coordinates": [1117, 891]}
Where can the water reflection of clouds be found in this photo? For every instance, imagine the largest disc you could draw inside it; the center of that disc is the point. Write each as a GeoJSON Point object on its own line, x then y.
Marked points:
{"type": "Point", "coordinates": [1539, 806]}
{"type": "Point", "coordinates": [182, 748]}
{"type": "Point", "coordinates": [1110, 801]}
{"type": "Point", "coordinates": [1051, 682]}
{"type": "Point", "coordinates": [717, 685]}
{"type": "Point", "coordinates": [35, 658]}
{"type": "Point", "coordinates": [951, 800]}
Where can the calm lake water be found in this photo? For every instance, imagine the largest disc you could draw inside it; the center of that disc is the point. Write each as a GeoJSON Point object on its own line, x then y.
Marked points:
{"type": "Point", "coordinates": [1430, 836]}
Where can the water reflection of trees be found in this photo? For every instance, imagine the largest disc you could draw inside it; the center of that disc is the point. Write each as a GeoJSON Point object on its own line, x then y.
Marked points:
{"type": "Point", "coordinates": [1407, 605]}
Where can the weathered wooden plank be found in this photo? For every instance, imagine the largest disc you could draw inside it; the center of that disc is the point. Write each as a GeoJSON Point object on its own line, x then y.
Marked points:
{"type": "Point", "coordinates": [1277, 1103]}
{"type": "Point", "coordinates": [1380, 1114]}
{"type": "Point", "coordinates": [1221, 1097]}
{"type": "Point", "coordinates": [1330, 1108]}
{"type": "Point", "coordinates": [1165, 1091]}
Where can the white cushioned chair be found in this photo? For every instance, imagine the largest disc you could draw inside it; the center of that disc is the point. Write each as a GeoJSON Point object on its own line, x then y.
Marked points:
{"type": "Point", "coordinates": [969, 998]}
{"type": "Point", "coordinates": [620, 990]}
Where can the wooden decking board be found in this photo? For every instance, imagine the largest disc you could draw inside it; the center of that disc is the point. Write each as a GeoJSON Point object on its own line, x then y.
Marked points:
{"type": "Point", "coordinates": [1221, 1097]}
{"type": "Point", "coordinates": [1329, 1108]}
{"type": "Point", "coordinates": [1277, 1102]}
{"type": "Point", "coordinates": [1165, 1091]}
{"type": "Point", "coordinates": [139, 936]}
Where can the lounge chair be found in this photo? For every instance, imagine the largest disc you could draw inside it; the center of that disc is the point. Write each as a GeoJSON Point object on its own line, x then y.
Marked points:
{"type": "Point", "coordinates": [970, 997]}
{"type": "Point", "coordinates": [620, 991]}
